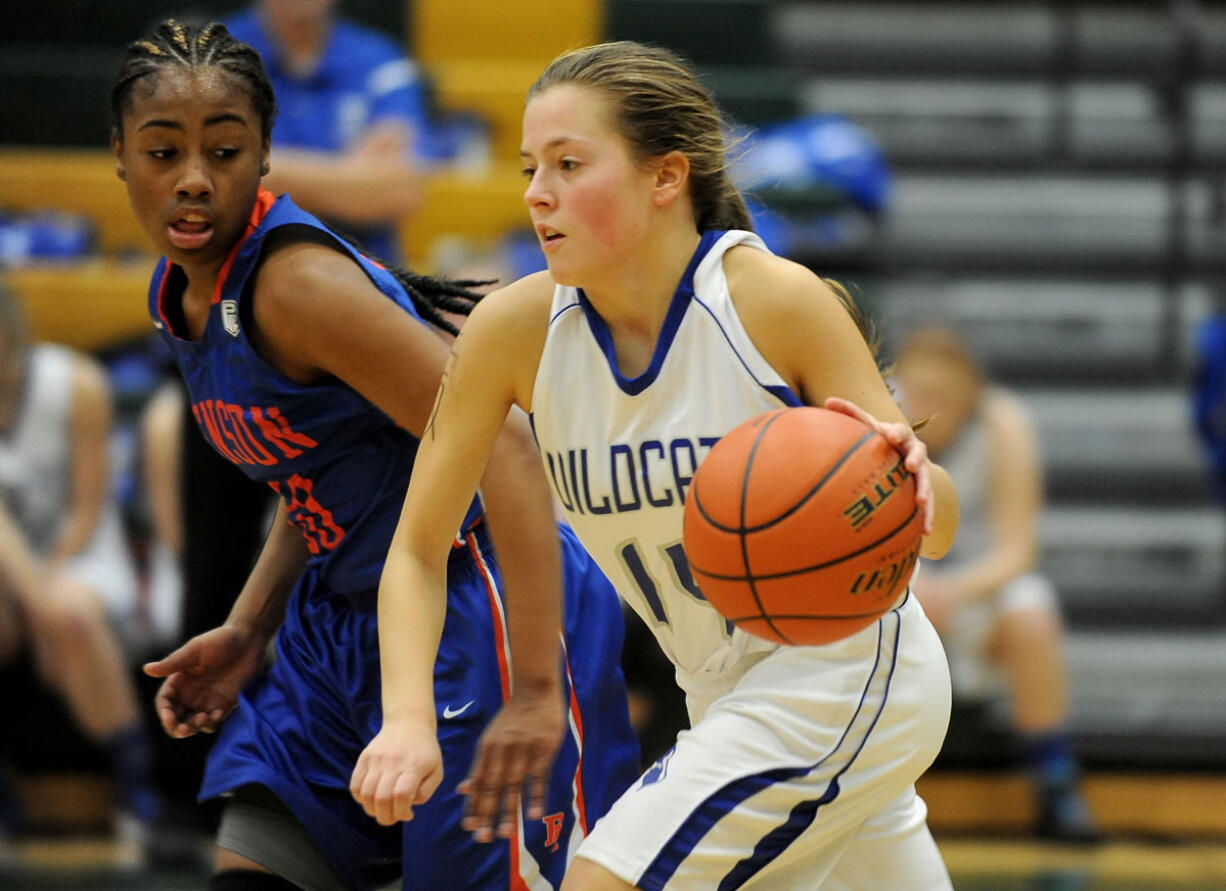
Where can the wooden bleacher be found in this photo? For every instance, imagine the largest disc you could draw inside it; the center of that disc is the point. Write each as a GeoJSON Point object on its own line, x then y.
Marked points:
{"type": "Point", "coordinates": [109, 289]}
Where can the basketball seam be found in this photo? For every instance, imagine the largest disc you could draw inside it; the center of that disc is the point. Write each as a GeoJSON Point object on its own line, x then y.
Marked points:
{"type": "Point", "coordinates": [846, 456]}
{"type": "Point", "coordinates": [800, 571]}
{"type": "Point", "coordinates": [753, 588]}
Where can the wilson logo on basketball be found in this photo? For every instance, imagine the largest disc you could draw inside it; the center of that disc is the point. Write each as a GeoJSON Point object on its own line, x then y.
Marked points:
{"type": "Point", "coordinates": [885, 578]}
{"type": "Point", "coordinates": [880, 491]}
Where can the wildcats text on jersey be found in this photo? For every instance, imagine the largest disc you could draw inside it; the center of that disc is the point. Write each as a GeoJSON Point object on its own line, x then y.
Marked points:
{"type": "Point", "coordinates": [651, 473]}
{"type": "Point", "coordinates": [251, 435]}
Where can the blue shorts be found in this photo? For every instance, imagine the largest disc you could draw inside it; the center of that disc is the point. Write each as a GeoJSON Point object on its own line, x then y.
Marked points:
{"type": "Point", "coordinates": [300, 727]}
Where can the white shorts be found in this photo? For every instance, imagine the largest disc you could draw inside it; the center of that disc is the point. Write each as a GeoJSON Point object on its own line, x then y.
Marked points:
{"type": "Point", "coordinates": [800, 777]}
{"type": "Point", "coordinates": [970, 630]}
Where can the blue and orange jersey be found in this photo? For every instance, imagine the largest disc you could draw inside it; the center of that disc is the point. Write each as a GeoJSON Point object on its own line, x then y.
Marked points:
{"type": "Point", "coordinates": [340, 464]}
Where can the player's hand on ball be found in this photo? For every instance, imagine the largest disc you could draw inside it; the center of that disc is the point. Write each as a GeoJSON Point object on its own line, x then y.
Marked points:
{"type": "Point", "coordinates": [399, 768]}
{"type": "Point", "coordinates": [204, 678]}
{"type": "Point", "coordinates": [513, 758]}
{"type": "Point", "coordinates": [902, 437]}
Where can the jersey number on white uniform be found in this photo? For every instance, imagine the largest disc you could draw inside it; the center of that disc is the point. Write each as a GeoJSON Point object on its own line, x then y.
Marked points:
{"type": "Point", "coordinates": [631, 554]}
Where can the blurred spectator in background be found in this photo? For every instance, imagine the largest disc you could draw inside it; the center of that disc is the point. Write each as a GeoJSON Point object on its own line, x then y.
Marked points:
{"type": "Point", "coordinates": [161, 480]}
{"type": "Point", "coordinates": [351, 110]}
{"type": "Point", "coordinates": [68, 587]}
{"type": "Point", "coordinates": [1209, 392]}
{"type": "Point", "coordinates": [815, 182]}
{"type": "Point", "coordinates": [998, 617]}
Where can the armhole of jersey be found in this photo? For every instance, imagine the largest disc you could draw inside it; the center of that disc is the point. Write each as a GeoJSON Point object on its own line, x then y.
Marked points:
{"type": "Point", "coordinates": [284, 235]}
{"type": "Point", "coordinates": [718, 303]}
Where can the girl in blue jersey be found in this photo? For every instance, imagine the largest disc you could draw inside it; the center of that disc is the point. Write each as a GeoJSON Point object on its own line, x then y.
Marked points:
{"type": "Point", "coordinates": [660, 324]}
{"type": "Point", "coordinates": [313, 369]}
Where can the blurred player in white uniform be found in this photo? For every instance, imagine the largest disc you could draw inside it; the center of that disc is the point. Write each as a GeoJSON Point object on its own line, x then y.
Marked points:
{"type": "Point", "coordinates": [998, 615]}
{"type": "Point", "coordinates": [68, 588]}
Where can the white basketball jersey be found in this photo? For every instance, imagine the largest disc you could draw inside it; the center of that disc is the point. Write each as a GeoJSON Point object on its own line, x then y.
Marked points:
{"type": "Point", "coordinates": [621, 452]}
{"type": "Point", "coordinates": [35, 458]}
{"type": "Point", "coordinates": [36, 481]}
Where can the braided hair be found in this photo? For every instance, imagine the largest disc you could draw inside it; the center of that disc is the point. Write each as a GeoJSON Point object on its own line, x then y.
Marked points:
{"type": "Point", "coordinates": [431, 295]}
{"type": "Point", "coordinates": [196, 47]}
{"type": "Point", "coordinates": [193, 47]}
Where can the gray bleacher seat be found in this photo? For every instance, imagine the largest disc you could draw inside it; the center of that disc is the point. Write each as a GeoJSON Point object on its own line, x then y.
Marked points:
{"type": "Point", "coordinates": [1044, 219]}
{"type": "Point", "coordinates": [943, 121]}
{"type": "Point", "coordinates": [1148, 695]}
{"type": "Point", "coordinates": [1207, 107]}
{"type": "Point", "coordinates": [947, 121]}
{"type": "Point", "coordinates": [1123, 38]}
{"type": "Point", "coordinates": [914, 37]}
{"type": "Point", "coordinates": [1134, 445]}
{"type": "Point", "coordinates": [1137, 566]}
{"type": "Point", "coordinates": [1031, 39]}
{"type": "Point", "coordinates": [1116, 122]}
{"type": "Point", "coordinates": [1058, 329]}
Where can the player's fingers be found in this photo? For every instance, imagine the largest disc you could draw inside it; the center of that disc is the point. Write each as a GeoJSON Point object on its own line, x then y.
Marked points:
{"type": "Point", "coordinates": [169, 713]}
{"type": "Point", "coordinates": [537, 787]}
{"type": "Point", "coordinates": [924, 497]}
{"type": "Point", "coordinates": [176, 660]}
{"type": "Point", "coordinates": [367, 790]}
{"type": "Point", "coordinates": [404, 795]}
{"type": "Point", "coordinates": [357, 778]}
{"type": "Point", "coordinates": [485, 790]}
{"type": "Point", "coordinates": [509, 796]}
{"type": "Point", "coordinates": [834, 403]}
{"type": "Point", "coordinates": [161, 668]}
{"type": "Point", "coordinates": [385, 797]}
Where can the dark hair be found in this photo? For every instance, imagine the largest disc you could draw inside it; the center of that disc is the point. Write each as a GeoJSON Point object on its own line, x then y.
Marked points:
{"type": "Point", "coordinates": [431, 295]}
{"type": "Point", "coordinates": [660, 107]}
{"type": "Point", "coordinates": [194, 46]}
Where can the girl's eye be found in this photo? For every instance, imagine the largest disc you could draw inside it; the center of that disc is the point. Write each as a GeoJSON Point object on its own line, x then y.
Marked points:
{"type": "Point", "coordinates": [527, 172]}
{"type": "Point", "coordinates": [162, 154]}
{"type": "Point", "coordinates": [226, 153]}
{"type": "Point", "coordinates": [568, 164]}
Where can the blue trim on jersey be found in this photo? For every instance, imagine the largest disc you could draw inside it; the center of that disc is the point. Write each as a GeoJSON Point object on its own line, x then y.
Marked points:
{"type": "Point", "coordinates": [567, 308]}
{"type": "Point", "coordinates": [784, 394]}
{"type": "Point", "coordinates": [672, 321]}
{"type": "Point", "coordinates": [725, 801]}
{"type": "Point", "coordinates": [780, 391]}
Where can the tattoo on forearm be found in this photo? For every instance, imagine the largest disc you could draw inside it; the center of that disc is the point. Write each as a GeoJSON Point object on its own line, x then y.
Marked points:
{"type": "Point", "coordinates": [442, 387]}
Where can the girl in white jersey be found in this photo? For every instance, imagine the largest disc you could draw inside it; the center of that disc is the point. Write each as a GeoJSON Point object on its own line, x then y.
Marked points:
{"type": "Point", "coordinates": [997, 613]}
{"type": "Point", "coordinates": [661, 324]}
{"type": "Point", "coordinates": [68, 588]}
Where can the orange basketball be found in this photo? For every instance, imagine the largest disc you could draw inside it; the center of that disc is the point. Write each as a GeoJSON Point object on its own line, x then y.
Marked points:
{"type": "Point", "coordinates": [801, 525]}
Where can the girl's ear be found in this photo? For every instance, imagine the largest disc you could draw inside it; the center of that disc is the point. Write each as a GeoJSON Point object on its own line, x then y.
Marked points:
{"type": "Point", "coordinates": [117, 150]}
{"type": "Point", "coordinates": [265, 166]}
{"type": "Point", "coordinates": [672, 176]}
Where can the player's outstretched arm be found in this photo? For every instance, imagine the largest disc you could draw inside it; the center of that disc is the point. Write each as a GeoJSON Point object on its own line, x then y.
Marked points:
{"type": "Point", "coordinates": [204, 676]}
{"type": "Point", "coordinates": [516, 750]}
{"type": "Point", "coordinates": [465, 443]}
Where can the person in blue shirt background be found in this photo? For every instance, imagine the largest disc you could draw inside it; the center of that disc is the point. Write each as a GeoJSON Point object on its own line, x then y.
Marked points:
{"type": "Point", "coordinates": [352, 111]}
